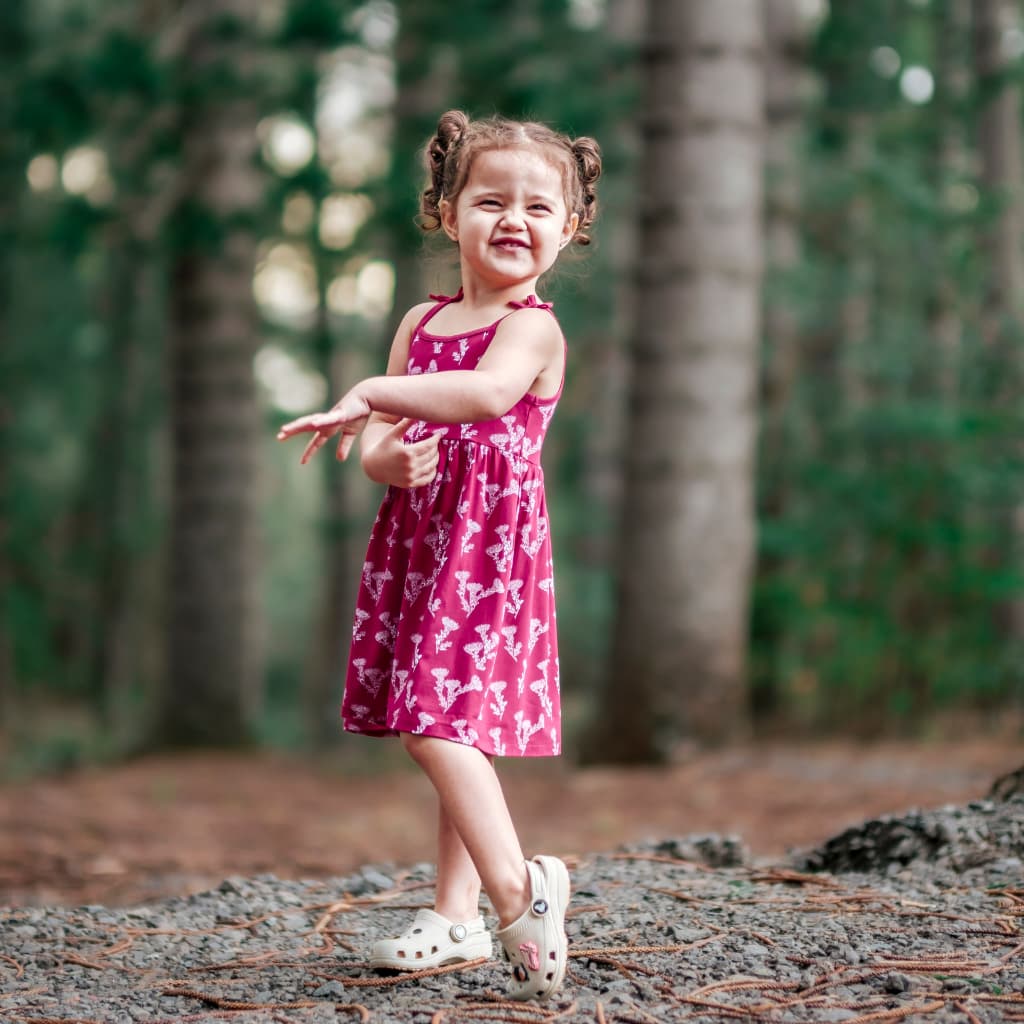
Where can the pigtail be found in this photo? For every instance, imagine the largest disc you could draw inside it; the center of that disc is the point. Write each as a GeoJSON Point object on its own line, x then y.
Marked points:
{"type": "Point", "coordinates": [450, 128]}
{"type": "Point", "coordinates": [587, 155]}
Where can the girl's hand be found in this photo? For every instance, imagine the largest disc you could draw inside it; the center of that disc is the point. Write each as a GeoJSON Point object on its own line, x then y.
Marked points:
{"type": "Point", "coordinates": [348, 417]}
{"type": "Point", "coordinates": [391, 461]}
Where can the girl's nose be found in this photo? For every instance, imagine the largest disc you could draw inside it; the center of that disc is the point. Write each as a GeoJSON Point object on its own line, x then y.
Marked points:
{"type": "Point", "coordinates": [513, 216]}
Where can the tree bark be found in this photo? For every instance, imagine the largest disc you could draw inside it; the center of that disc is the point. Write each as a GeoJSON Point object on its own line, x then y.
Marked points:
{"type": "Point", "coordinates": [116, 461]}
{"type": "Point", "coordinates": [214, 671]}
{"type": "Point", "coordinates": [1002, 175]}
{"type": "Point", "coordinates": [602, 378]}
{"type": "Point", "coordinates": [999, 144]}
{"type": "Point", "coordinates": [785, 88]}
{"type": "Point", "coordinates": [686, 544]}
{"type": "Point", "coordinates": [783, 425]}
{"type": "Point", "coordinates": [951, 166]}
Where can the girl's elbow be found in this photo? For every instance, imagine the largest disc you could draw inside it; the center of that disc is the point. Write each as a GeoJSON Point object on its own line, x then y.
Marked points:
{"type": "Point", "coordinates": [497, 401]}
{"type": "Point", "coordinates": [369, 467]}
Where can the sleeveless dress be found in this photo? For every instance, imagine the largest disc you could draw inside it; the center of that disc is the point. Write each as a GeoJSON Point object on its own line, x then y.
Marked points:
{"type": "Point", "coordinates": [454, 632]}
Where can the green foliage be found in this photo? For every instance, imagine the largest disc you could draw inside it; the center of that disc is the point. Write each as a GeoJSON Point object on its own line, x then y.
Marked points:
{"type": "Point", "coordinates": [316, 23]}
{"type": "Point", "coordinates": [888, 555]}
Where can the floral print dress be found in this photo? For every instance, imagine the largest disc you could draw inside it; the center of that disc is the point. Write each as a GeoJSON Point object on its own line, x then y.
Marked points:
{"type": "Point", "coordinates": [454, 632]}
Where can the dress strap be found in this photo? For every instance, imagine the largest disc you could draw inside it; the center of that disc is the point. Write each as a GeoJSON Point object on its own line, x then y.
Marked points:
{"type": "Point", "coordinates": [442, 301]}
{"type": "Point", "coordinates": [531, 302]}
{"type": "Point", "coordinates": [445, 299]}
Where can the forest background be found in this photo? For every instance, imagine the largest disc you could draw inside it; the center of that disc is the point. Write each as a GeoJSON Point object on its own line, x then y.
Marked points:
{"type": "Point", "coordinates": [787, 475]}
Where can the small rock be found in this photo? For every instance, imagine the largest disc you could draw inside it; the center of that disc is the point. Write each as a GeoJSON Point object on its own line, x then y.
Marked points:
{"type": "Point", "coordinates": [894, 983]}
{"type": "Point", "coordinates": [329, 990]}
{"type": "Point", "coordinates": [372, 880]}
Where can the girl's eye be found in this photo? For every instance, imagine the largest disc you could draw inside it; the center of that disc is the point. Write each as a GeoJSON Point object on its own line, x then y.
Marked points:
{"type": "Point", "coordinates": [543, 207]}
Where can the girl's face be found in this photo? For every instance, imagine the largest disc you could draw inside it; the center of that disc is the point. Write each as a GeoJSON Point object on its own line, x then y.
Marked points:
{"type": "Point", "coordinates": [510, 220]}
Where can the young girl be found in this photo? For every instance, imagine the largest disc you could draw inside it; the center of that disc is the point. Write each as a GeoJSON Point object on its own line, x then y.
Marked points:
{"type": "Point", "coordinates": [453, 647]}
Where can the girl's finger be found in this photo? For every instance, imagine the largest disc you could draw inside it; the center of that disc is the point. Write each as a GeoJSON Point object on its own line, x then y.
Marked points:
{"type": "Point", "coordinates": [427, 444]}
{"type": "Point", "coordinates": [345, 445]}
{"type": "Point", "coordinates": [303, 425]}
{"type": "Point", "coordinates": [399, 429]}
{"type": "Point", "coordinates": [318, 441]}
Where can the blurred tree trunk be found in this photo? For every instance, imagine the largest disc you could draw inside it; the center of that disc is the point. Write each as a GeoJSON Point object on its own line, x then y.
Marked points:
{"type": "Point", "coordinates": [686, 537]}
{"type": "Point", "coordinates": [213, 683]}
{"type": "Point", "coordinates": [785, 89]}
{"type": "Point", "coordinates": [117, 508]}
{"type": "Point", "coordinates": [999, 144]}
{"type": "Point", "coordinates": [952, 84]}
{"type": "Point", "coordinates": [120, 474]}
{"type": "Point", "coordinates": [606, 369]}
{"type": "Point", "coordinates": [783, 427]}
{"type": "Point", "coordinates": [426, 75]}
{"type": "Point", "coordinates": [855, 312]}
{"type": "Point", "coordinates": [1002, 175]}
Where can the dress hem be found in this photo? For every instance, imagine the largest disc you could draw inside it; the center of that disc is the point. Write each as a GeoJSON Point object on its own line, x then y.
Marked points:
{"type": "Point", "coordinates": [441, 731]}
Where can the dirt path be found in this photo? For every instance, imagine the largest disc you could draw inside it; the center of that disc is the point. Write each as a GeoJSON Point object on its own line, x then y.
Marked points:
{"type": "Point", "coordinates": [166, 826]}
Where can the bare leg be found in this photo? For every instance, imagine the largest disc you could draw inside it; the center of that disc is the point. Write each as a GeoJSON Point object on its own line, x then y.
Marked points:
{"type": "Point", "coordinates": [458, 882]}
{"type": "Point", "coordinates": [474, 804]}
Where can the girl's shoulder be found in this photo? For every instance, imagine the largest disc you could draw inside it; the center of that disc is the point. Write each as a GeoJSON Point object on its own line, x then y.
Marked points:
{"type": "Point", "coordinates": [415, 317]}
{"type": "Point", "coordinates": [416, 314]}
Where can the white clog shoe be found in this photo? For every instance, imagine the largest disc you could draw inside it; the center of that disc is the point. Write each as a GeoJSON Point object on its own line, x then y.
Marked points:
{"type": "Point", "coordinates": [432, 941]}
{"type": "Point", "coordinates": [536, 944]}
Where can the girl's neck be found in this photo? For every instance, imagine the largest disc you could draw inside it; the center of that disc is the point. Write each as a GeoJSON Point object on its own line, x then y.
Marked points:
{"type": "Point", "coordinates": [480, 298]}
{"type": "Point", "coordinates": [478, 308]}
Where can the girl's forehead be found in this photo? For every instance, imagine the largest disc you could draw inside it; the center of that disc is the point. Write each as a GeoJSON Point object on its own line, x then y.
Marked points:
{"type": "Point", "coordinates": [531, 164]}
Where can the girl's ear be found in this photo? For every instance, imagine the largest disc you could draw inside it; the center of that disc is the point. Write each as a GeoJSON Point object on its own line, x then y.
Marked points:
{"type": "Point", "coordinates": [448, 221]}
{"type": "Point", "coordinates": [569, 230]}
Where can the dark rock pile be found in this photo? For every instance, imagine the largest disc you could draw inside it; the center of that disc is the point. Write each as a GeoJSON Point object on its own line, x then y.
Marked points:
{"type": "Point", "coordinates": [983, 832]}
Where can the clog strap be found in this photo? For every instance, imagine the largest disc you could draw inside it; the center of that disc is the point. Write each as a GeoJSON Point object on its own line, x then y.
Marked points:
{"type": "Point", "coordinates": [428, 927]}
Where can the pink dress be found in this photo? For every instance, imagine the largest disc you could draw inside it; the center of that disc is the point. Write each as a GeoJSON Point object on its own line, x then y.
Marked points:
{"type": "Point", "coordinates": [454, 632]}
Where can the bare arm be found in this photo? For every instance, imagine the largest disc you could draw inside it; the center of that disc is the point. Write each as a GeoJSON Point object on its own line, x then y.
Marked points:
{"type": "Point", "coordinates": [525, 345]}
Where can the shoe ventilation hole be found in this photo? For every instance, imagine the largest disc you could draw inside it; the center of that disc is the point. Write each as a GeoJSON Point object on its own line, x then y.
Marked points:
{"type": "Point", "coordinates": [433, 949]}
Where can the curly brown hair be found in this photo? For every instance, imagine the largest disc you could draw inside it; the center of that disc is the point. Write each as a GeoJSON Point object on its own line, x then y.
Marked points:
{"type": "Point", "coordinates": [450, 153]}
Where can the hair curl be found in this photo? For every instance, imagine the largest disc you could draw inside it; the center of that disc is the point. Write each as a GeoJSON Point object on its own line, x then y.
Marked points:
{"type": "Point", "coordinates": [450, 153]}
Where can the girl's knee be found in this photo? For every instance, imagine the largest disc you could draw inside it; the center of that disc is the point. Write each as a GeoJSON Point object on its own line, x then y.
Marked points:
{"type": "Point", "coordinates": [416, 746]}
{"type": "Point", "coordinates": [431, 750]}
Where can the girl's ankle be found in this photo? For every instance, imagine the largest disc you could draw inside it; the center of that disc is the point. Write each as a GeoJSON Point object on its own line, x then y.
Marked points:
{"type": "Point", "coordinates": [457, 915]}
{"type": "Point", "coordinates": [513, 902]}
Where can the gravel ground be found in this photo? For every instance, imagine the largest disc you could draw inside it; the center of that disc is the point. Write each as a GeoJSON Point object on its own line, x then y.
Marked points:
{"type": "Point", "coordinates": [916, 917]}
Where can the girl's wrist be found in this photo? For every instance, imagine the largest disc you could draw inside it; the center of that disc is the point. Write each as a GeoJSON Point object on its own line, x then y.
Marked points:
{"type": "Point", "coordinates": [364, 392]}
